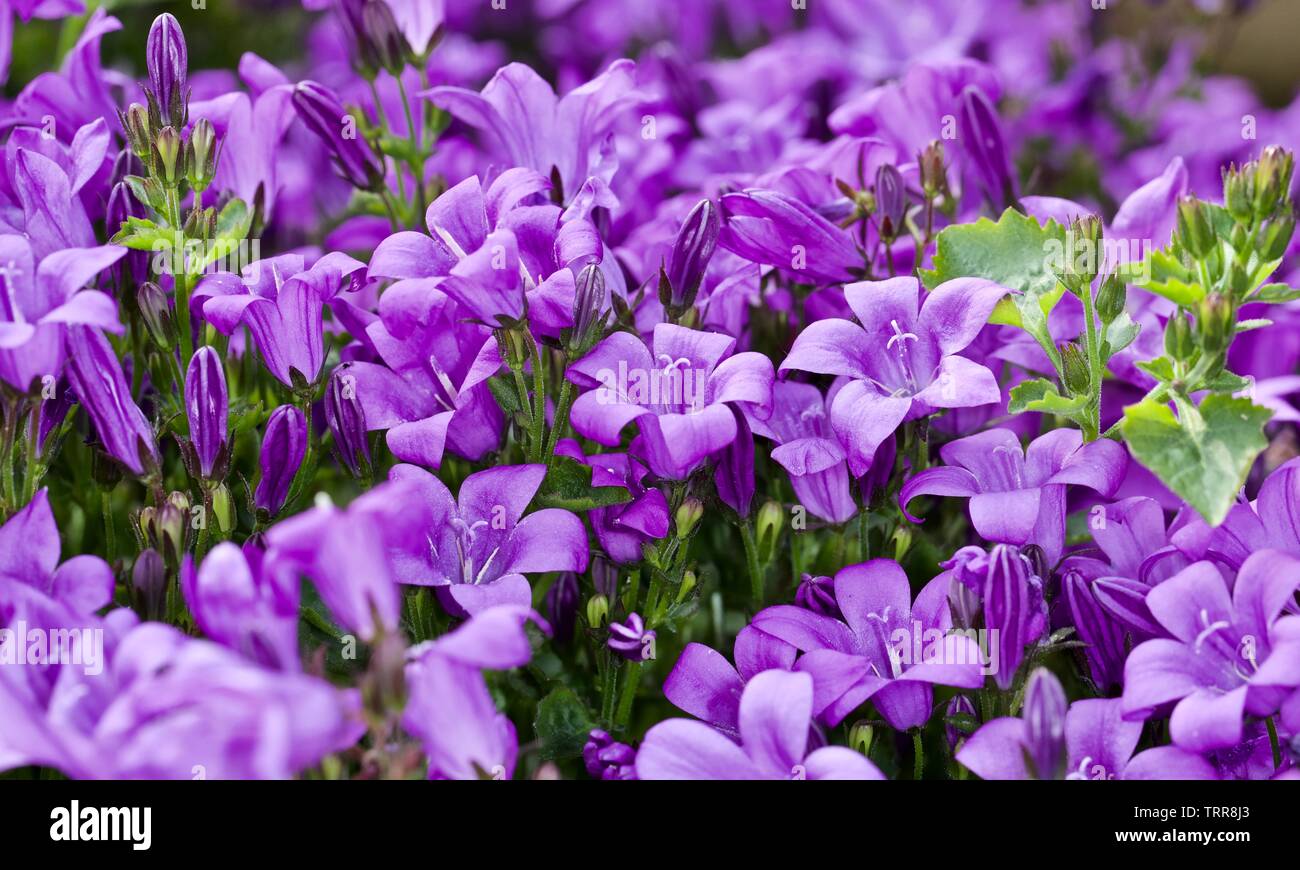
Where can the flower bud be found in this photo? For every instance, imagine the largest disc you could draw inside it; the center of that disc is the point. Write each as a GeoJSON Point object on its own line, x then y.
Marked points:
{"type": "Point", "coordinates": [982, 138]}
{"type": "Point", "coordinates": [202, 161]}
{"type": "Point", "coordinates": [168, 64]}
{"type": "Point", "coordinates": [1013, 606]}
{"type": "Point", "coordinates": [1112, 298]}
{"type": "Point", "coordinates": [589, 312]}
{"type": "Point", "coordinates": [767, 530]}
{"type": "Point", "coordinates": [149, 586]}
{"type": "Point", "coordinates": [347, 422]}
{"type": "Point", "coordinates": [1194, 227]}
{"type": "Point", "coordinates": [383, 688]}
{"type": "Point", "coordinates": [688, 514]}
{"type": "Point", "coordinates": [156, 311]}
{"type": "Point", "coordinates": [687, 585]}
{"type": "Point", "coordinates": [1075, 365]}
{"type": "Point", "coordinates": [1272, 179]}
{"type": "Point", "coordinates": [167, 152]}
{"type": "Point", "coordinates": [320, 109]}
{"type": "Point", "coordinates": [1276, 238]}
{"type": "Point", "coordinates": [1215, 322]}
{"type": "Point", "coordinates": [861, 735]}
{"type": "Point", "coordinates": [139, 132]}
{"type": "Point", "coordinates": [562, 606]}
{"type": "Point", "coordinates": [207, 406]}
{"type": "Point", "coordinates": [604, 576]}
{"type": "Point", "coordinates": [1178, 337]}
{"type": "Point", "coordinates": [891, 201]}
{"type": "Point", "coordinates": [1239, 192]}
{"type": "Point", "coordinates": [387, 44]}
{"type": "Point", "coordinates": [283, 447]}
{"type": "Point", "coordinates": [607, 759]}
{"type": "Point", "coordinates": [690, 255]}
{"type": "Point", "coordinates": [1044, 718]}
{"type": "Point", "coordinates": [1083, 242]}
{"type": "Point", "coordinates": [168, 528]}
{"type": "Point", "coordinates": [959, 706]}
{"type": "Point", "coordinates": [631, 640]}
{"type": "Point", "coordinates": [934, 174]}
{"type": "Point", "coordinates": [597, 610]}
{"type": "Point", "coordinates": [223, 506]}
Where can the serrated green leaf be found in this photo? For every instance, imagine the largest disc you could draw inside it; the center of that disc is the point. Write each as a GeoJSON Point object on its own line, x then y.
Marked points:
{"type": "Point", "coordinates": [1042, 396]}
{"type": "Point", "coordinates": [1255, 323]}
{"type": "Point", "coordinates": [503, 390]}
{"type": "Point", "coordinates": [1203, 457]}
{"type": "Point", "coordinates": [1161, 368]}
{"type": "Point", "coordinates": [563, 723]}
{"type": "Point", "coordinates": [568, 486]}
{"type": "Point", "coordinates": [140, 234]}
{"type": "Point", "coordinates": [1172, 279]}
{"type": "Point", "coordinates": [1119, 334]}
{"type": "Point", "coordinates": [1275, 293]}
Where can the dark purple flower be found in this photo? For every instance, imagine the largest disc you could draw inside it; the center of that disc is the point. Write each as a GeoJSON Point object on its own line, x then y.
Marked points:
{"type": "Point", "coordinates": [606, 758]}
{"type": "Point", "coordinates": [733, 475]}
{"type": "Point", "coordinates": [347, 421]}
{"type": "Point", "coordinates": [206, 406]}
{"type": "Point", "coordinates": [168, 64]}
{"type": "Point", "coordinates": [631, 640]}
{"type": "Point", "coordinates": [982, 138]}
{"type": "Point", "coordinates": [818, 595]}
{"type": "Point", "coordinates": [690, 255]}
{"type": "Point", "coordinates": [562, 606]}
{"type": "Point", "coordinates": [250, 608]}
{"type": "Point", "coordinates": [1044, 722]}
{"type": "Point", "coordinates": [284, 444]}
{"type": "Point", "coordinates": [1102, 633]}
{"type": "Point", "coordinates": [1014, 608]}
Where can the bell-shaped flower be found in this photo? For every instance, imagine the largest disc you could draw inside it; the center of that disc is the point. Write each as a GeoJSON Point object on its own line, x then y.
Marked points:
{"type": "Point", "coordinates": [623, 529]}
{"type": "Point", "coordinates": [677, 391]}
{"type": "Point", "coordinates": [96, 376]}
{"type": "Point", "coordinates": [902, 357]}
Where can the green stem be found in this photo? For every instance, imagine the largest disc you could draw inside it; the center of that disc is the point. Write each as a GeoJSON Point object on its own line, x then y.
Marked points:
{"type": "Point", "coordinates": [562, 409]}
{"type": "Point", "coordinates": [630, 683]}
{"type": "Point", "coordinates": [180, 275]}
{"type": "Point", "coordinates": [1093, 422]}
{"type": "Point", "coordinates": [751, 562]}
{"type": "Point", "coordinates": [918, 755]}
{"type": "Point", "coordinates": [1273, 742]}
{"type": "Point", "coordinates": [110, 536]}
{"type": "Point", "coordinates": [539, 399]}
{"type": "Point", "coordinates": [416, 170]}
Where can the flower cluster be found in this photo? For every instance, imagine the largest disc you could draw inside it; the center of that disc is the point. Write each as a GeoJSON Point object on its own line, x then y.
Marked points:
{"type": "Point", "coordinates": [904, 395]}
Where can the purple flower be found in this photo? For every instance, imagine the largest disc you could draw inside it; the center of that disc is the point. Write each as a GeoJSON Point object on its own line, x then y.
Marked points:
{"type": "Point", "coordinates": [982, 137]}
{"type": "Point", "coordinates": [771, 228]}
{"type": "Point", "coordinates": [1103, 634]}
{"type": "Point", "coordinates": [165, 54]}
{"type": "Point", "coordinates": [704, 684]}
{"type": "Point", "coordinates": [282, 303]}
{"type": "Point", "coordinates": [1005, 583]}
{"type": "Point", "coordinates": [818, 595]}
{"type": "Point", "coordinates": [568, 138]}
{"type": "Point", "coordinates": [1228, 654]}
{"type": "Point", "coordinates": [323, 113]}
{"type": "Point", "coordinates": [690, 255]}
{"type": "Point", "coordinates": [1018, 496]}
{"type": "Point", "coordinates": [39, 300]}
{"type": "Point", "coordinates": [606, 758]}
{"type": "Point", "coordinates": [420, 21]}
{"type": "Point", "coordinates": [347, 422]}
{"type": "Point", "coordinates": [29, 554]}
{"type": "Point", "coordinates": [450, 710]}
{"type": "Point", "coordinates": [677, 392]}
{"type": "Point", "coordinates": [206, 407]}
{"type": "Point", "coordinates": [809, 451]}
{"type": "Point", "coordinates": [1132, 536]}
{"type": "Point", "coordinates": [252, 608]}
{"type": "Point", "coordinates": [623, 529]}
{"type": "Point", "coordinates": [1271, 522]}
{"type": "Point", "coordinates": [902, 358]}
{"type": "Point", "coordinates": [887, 648]}
{"type": "Point", "coordinates": [475, 549]}
{"type": "Point", "coordinates": [284, 444]}
{"type": "Point", "coordinates": [733, 474]}
{"type": "Point", "coordinates": [1099, 745]}
{"type": "Point", "coordinates": [774, 716]}
{"type": "Point", "coordinates": [631, 640]}
{"type": "Point", "coordinates": [102, 389]}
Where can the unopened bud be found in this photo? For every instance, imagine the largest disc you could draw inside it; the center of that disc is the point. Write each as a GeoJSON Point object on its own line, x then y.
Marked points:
{"type": "Point", "coordinates": [767, 529]}
{"type": "Point", "coordinates": [156, 311]}
{"type": "Point", "coordinates": [588, 310]}
{"type": "Point", "coordinates": [690, 255]}
{"type": "Point", "coordinates": [1178, 337]}
{"type": "Point", "coordinates": [202, 162]}
{"type": "Point", "coordinates": [1239, 192]}
{"type": "Point", "coordinates": [167, 151]}
{"type": "Point", "coordinates": [1214, 324]}
{"type": "Point", "coordinates": [387, 45]}
{"type": "Point", "coordinates": [139, 135]}
{"type": "Point", "coordinates": [934, 174]}
{"type": "Point", "coordinates": [1272, 179]}
{"type": "Point", "coordinates": [1112, 298]}
{"type": "Point", "coordinates": [1276, 238]}
{"type": "Point", "coordinates": [1075, 365]}
{"type": "Point", "coordinates": [597, 610]}
{"type": "Point", "coordinates": [149, 585]}
{"type": "Point", "coordinates": [861, 735]}
{"type": "Point", "coordinates": [1194, 227]}
{"type": "Point", "coordinates": [688, 514]}
{"type": "Point", "coordinates": [891, 201]}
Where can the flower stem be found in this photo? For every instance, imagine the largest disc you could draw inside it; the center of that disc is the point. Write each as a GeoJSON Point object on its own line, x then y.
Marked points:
{"type": "Point", "coordinates": [751, 562]}
{"type": "Point", "coordinates": [1273, 742]}
{"type": "Point", "coordinates": [918, 755]}
{"type": "Point", "coordinates": [1092, 424]}
{"type": "Point", "coordinates": [630, 684]}
{"type": "Point", "coordinates": [561, 422]}
{"type": "Point", "coordinates": [535, 444]}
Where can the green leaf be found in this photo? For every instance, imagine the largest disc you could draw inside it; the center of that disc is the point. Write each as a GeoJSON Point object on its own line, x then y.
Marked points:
{"type": "Point", "coordinates": [1256, 323]}
{"type": "Point", "coordinates": [1204, 456]}
{"type": "Point", "coordinates": [140, 234]}
{"type": "Point", "coordinates": [1172, 279]}
{"type": "Point", "coordinates": [1016, 252]}
{"type": "Point", "coordinates": [1042, 396]}
{"type": "Point", "coordinates": [568, 486]}
{"type": "Point", "coordinates": [1275, 293]}
{"type": "Point", "coordinates": [503, 390]}
{"type": "Point", "coordinates": [563, 723]}
{"type": "Point", "coordinates": [1161, 368]}
{"type": "Point", "coordinates": [1227, 382]}
{"type": "Point", "coordinates": [1119, 334]}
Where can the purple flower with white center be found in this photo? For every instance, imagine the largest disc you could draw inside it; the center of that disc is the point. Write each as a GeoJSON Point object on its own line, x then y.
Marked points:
{"type": "Point", "coordinates": [475, 548]}
{"type": "Point", "coordinates": [1017, 496]}
{"type": "Point", "coordinates": [886, 649]}
{"type": "Point", "coordinates": [249, 606]}
{"type": "Point", "coordinates": [207, 405]}
{"type": "Point", "coordinates": [102, 389]}
{"type": "Point", "coordinates": [284, 444]}
{"type": "Point", "coordinates": [1223, 658]}
{"type": "Point", "coordinates": [677, 391]}
{"type": "Point", "coordinates": [41, 299]}
{"type": "Point", "coordinates": [809, 451]}
{"type": "Point", "coordinates": [282, 302]}
{"type": "Point", "coordinates": [623, 529]}
{"type": "Point", "coordinates": [568, 138]}
{"type": "Point", "coordinates": [606, 758]}
{"type": "Point", "coordinates": [432, 394]}
{"type": "Point", "coordinates": [1099, 745]}
{"type": "Point", "coordinates": [450, 710]}
{"type": "Point", "coordinates": [631, 640]}
{"type": "Point", "coordinates": [774, 229]}
{"type": "Point", "coordinates": [901, 356]}
{"type": "Point", "coordinates": [774, 716]}
{"type": "Point", "coordinates": [704, 684]}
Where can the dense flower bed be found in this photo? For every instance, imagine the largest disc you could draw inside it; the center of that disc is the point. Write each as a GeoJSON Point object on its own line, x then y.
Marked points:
{"type": "Point", "coordinates": [625, 389]}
